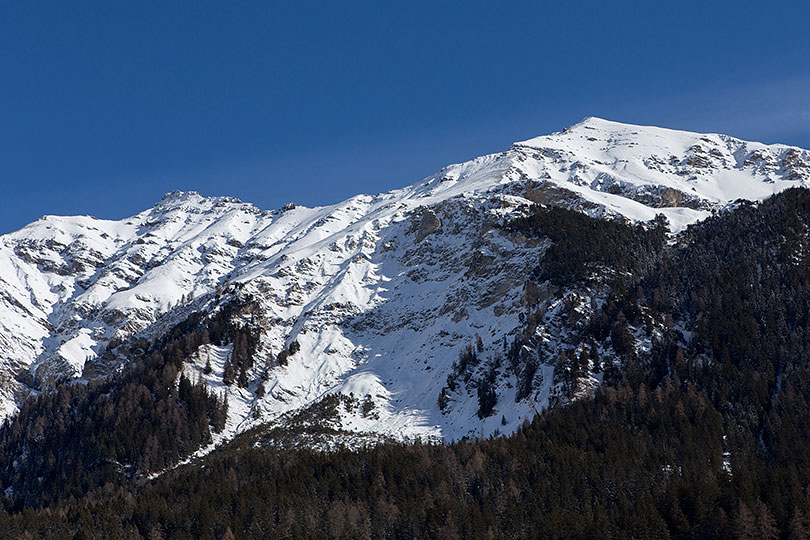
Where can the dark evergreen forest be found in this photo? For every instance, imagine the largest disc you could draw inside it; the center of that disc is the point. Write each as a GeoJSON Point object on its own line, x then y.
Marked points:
{"type": "Point", "coordinates": [707, 435]}
{"type": "Point", "coordinates": [80, 437]}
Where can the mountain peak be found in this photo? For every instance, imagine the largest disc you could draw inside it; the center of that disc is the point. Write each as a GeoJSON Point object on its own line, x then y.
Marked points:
{"type": "Point", "coordinates": [594, 121]}
{"type": "Point", "coordinates": [179, 195]}
{"type": "Point", "coordinates": [178, 199]}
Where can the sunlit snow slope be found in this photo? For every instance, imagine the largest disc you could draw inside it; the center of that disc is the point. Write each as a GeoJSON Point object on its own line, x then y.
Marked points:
{"type": "Point", "coordinates": [381, 292]}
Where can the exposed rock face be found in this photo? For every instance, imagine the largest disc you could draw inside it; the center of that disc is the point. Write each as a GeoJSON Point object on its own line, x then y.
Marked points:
{"type": "Point", "coordinates": [671, 197]}
{"type": "Point", "coordinates": [428, 223]}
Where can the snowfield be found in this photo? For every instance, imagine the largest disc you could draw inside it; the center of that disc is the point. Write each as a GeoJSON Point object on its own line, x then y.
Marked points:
{"type": "Point", "coordinates": [381, 292]}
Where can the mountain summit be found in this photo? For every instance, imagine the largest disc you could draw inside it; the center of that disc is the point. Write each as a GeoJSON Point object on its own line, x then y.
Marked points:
{"type": "Point", "coordinates": [390, 301]}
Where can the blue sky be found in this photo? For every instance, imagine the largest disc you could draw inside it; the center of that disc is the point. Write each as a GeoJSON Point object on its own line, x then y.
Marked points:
{"type": "Point", "coordinates": [105, 106]}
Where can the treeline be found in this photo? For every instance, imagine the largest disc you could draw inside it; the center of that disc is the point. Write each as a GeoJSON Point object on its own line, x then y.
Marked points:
{"type": "Point", "coordinates": [582, 245]}
{"type": "Point", "coordinates": [566, 475]}
{"type": "Point", "coordinates": [81, 437]}
{"type": "Point", "coordinates": [582, 253]}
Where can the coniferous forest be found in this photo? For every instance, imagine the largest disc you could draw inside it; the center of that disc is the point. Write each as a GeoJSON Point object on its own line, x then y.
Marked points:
{"type": "Point", "coordinates": [704, 435]}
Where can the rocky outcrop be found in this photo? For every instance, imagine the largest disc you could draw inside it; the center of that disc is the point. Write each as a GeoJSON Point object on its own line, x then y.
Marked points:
{"type": "Point", "coordinates": [429, 223]}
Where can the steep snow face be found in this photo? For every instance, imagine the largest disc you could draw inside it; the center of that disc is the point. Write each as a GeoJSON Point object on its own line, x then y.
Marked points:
{"type": "Point", "coordinates": [380, 292]}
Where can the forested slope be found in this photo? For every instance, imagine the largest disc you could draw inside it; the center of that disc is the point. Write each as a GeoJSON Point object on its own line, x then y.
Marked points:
{"type": "Point", "coordinates": [703, 434]}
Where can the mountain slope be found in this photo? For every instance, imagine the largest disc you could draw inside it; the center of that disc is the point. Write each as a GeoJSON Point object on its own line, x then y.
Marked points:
{"type": "Point", "coordinates": [379, 294]}
{"type": "Point", "coordinates": [702, 434]}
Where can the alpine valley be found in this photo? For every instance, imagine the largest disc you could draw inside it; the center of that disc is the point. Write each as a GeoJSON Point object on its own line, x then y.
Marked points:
{"type": "Point", "coordinates": [577, 309]}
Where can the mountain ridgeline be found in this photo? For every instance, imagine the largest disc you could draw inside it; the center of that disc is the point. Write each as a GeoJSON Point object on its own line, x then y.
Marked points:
{"type": "Point", "coordinates": [698, 428]}
{"type": "Point", "coordinates": [599, 333]}
{"type": "Point", "coordinates": [375, 298]}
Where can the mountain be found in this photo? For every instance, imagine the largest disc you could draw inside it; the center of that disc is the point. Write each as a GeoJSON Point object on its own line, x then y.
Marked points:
{"type": "Point", "coordinates": [412, 304]}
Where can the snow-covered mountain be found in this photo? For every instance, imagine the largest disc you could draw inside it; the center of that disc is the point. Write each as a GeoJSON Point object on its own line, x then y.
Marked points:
{"type": "Point", "coordinates": [382, 293]}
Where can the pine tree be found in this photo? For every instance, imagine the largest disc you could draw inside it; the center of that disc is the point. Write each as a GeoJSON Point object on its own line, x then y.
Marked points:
{"type": "Point", "coordinates": [766, 524]}
{"type": "Point", "coordinates": [799, 528]}
{"type": "Point", "coordinates": [486, 395]}
{"type": "Point", "coordinates": [229, 373]}
{"type": "Point", "coordinates": [594, 355]}
{"type": "Point", "coordinates": [745, 524]}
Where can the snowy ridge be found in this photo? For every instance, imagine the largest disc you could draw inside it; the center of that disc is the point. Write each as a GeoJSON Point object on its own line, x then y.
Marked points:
{"type": "Point", "coordinates": [381, 292]}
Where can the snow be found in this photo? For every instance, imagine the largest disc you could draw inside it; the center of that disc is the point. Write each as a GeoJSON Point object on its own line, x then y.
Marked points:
{"type": "Point", "coordinates": [78, 349]}
{"type": "Point", "coordinates": [240, 400]}
{"type": "Point", "coordinates": [376, 312]}
{"type": "Point", "coordinates": [640, 156]}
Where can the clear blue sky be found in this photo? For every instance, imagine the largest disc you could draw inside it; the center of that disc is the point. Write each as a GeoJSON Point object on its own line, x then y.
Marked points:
{"type": "Point", "coordinates": [105, 106]}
